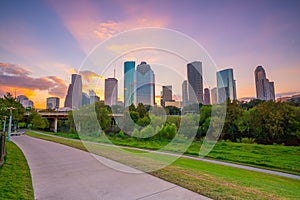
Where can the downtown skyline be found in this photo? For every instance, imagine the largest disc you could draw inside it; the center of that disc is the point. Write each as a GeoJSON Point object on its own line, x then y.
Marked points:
{"type": "Point", "coordinates": [42, 42]}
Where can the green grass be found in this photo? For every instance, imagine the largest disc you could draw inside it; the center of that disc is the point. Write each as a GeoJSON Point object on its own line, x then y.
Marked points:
{"type": "Point", "coordinates": [274, 157]}
{"type": "Point", "coordinates": [212, 180]}
{"type": "Point", "coordinates": [15, 178]}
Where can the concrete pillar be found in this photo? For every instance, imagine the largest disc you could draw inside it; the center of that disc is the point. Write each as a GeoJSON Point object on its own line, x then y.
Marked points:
{"type": "Point", "coordinates": [55, 124]}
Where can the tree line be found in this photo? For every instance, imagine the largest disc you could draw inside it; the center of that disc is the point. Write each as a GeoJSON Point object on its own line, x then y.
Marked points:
{"type": "Point", "coordinates": [263, 122]}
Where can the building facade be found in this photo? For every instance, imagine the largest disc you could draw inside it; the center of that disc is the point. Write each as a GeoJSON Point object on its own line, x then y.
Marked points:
{"type": "Point", "coordinates": [195, 82]}
{"type": "Point", "coordinates": [206, 96]}
{"type": "Point", "coordinates": [214, 96]}
{"type": "Point", "coordinates": [184, 93]}
{"type": "Point", "coordinates": [111, 91]}
{"type": "Point", "coordinates": [52, 103]}
{"type": "Point", "coordinates": [93, 97]}
{"type": "Point", "coordinates": [129, 83]}
{"type": "Point", "coordinates": [145, 84]}
{"type": "Point", "coordinates": [74, 95]}
{"type": "Point", "coordinates": [226, 85]}
{"type": "Point", "coordinates": [264, 88]}
{"type": "Point", "coordinates": [166, 94]}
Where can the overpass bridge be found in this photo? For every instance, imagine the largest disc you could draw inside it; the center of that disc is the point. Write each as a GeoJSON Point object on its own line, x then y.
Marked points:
{"type": "Point", "coordinates": [53, 117]}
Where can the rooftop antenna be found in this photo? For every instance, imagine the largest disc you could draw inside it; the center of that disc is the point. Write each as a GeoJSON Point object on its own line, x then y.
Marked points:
{"type": "Point", "coordinates": [115, 71]}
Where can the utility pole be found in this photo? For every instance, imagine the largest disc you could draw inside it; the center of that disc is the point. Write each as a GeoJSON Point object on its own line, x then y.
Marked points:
{"type": "Point", "coordinates": [10, 119]}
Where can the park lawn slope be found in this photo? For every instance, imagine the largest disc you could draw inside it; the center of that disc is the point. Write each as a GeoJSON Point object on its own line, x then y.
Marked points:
{"type": "Point", "coordinates": [15, 177]}
{"type": "Point", "coordinates": [212, 180]}
{"type": "Point", "coordinates": [274, 157]}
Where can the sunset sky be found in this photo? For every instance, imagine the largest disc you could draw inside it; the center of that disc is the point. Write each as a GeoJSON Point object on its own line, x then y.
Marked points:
{"type": "Point", "coordinates": [43, 42]}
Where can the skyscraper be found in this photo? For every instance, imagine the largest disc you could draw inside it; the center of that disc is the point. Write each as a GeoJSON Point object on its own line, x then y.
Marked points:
{"type": "Point", "coordinates": [74, 95]}
{"type": "Point", "coordinates": [85, 99]}
{"type": "Point", "coordinates": [195, 82]}
{"type": "Point", "coordinates": [52, 103]}
{"type": "Point", "coordinates": [264, 88]}
{"type": "Point", "coordinates": [214, 96]}
{"type": "Point", "coordinates": [129, 85]}
{"type": "Point", "coordinates": [145, 86]}
{"type": "Point", "coordinates": [226, 85]}
{"type": "Point", "coordinates": [166, 94]}
{"type": "Point", "coordinates": [111, 91]}
{"type": "Point", "coordinates": [93, 97]}
{"type": "Point", "coordinates": [206, 96]}
{"type": "Point", "coordinates": [184, 93]}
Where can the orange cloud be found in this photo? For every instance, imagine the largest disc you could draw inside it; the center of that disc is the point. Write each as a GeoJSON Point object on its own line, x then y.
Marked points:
{"type": "Point", "coordinates": [108, 29]}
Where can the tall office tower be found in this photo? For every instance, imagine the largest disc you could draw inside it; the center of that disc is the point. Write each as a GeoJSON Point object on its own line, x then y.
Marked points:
{"type": "Point", "coordinates": [74, 95]}
{"type": "Point", "coordinates": [195, 82]}
{"type": "Point", "coordinates": [166, 94]}
{"type": "Point", "coordinates": [93, 97]}
{"type": "Point", "coordinates": [85, 99]}
{"type": "Point", "coordinates": [129, 85]}
{"type": "Point", "coordinates": [52, 103]}
{"type": "Point", "coordinates": [206, 96]}
{"type": "Point", "coordinates": [111, 91]}
{"type": "Point", "coordinates": [184, 93]}
{"type": "Point", "coordinates": [145, 86]}
{"type": "Point", "coordinates": [214, 96]}
{"type": "Point", "coordinates": [264, 88]}
{"type": "Point", "coordinates": [226, 85]}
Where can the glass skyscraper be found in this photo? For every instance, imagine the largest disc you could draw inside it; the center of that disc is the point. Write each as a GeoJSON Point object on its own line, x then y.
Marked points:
{"type": "Point", "coordinates": [145, 85]}
{"type": "Point", "coordinates": [74, 95]}
{"type": "Point", "coordinates": [111, 91]}
{"type": "Point", "coordinates": [184, 93]}
{"type": "Point", "coordinates": [226, 85]}
{"type": "Point", "coordinates": [129, 86]}
{"type": "Point", "coordinates": [264, 88]}
{"type": "Point", "coordinates": [195, 82]}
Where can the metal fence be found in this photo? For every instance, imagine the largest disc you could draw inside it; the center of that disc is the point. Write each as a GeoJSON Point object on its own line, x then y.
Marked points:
{"type": "Point", "coordinates": [2, 149]}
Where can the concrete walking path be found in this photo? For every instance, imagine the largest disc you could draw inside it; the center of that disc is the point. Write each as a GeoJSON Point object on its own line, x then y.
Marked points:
{"type": "Point", "coordinates": [194, 158]}
{"type": "Point", "coordinates": [62, 172]}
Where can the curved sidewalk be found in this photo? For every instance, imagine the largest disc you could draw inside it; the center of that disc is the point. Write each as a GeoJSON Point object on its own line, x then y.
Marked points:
{"type": "Point", "coordinates": [62, 172]}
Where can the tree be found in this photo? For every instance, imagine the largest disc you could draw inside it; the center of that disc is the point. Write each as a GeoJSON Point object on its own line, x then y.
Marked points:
{"type": "Point", "coordinates": [233, 113]}
{"type": "Point", "coordinates": [172, 110]}
{"type": "Point", "coordinates": [7, 102]}
{"type": "Point", "coordinates": [274, 122]}
{"type": "Point", "coordinates": [40, 122]}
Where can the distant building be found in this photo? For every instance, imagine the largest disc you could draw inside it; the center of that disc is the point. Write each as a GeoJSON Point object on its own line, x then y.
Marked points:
{"type": "Point", "coordinates": [129, 85]}
{"type": "Point", "coordinates": [93, 97]}
{"type": "Point", "coordinates": [226, 85]}
{"type": "Point", "coordinates": [26, 103]}
{"type": "Point", "coordinates": [74, 95]}
{"type": "Point", "coordinates": [177, 104]}
{"type": "Point", "coordinates": [206, 96]}
{"type": "Point", "coordinates": [166, 94]}
{"type": "Point", "coordinates": [52, 103]}
{"type": "Point", "coordinates": [214, 96]}
{"type": "Point", "coordinates": [184, 93]}
{"type": "Point", "coordinates": [264, 88]}
{"type": "Point", "coordinates": [145, 84]}
{"type": "Point", "coordinates": [85, 99]}
{"type": "Point", "coordinates": [195, 82]}
{"type": "Point", "coordinates": [111, 91]}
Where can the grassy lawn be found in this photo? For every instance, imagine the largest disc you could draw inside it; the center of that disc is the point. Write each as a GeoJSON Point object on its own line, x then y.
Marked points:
{"type": "Point", "coordinates": [15, 178]}
{"type": "Point", "coordinates": [212, 180]}
{"type": "Point", "coordinates": [274, 157]}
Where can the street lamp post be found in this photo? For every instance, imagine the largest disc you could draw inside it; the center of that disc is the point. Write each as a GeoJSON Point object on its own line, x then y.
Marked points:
{"type": "Point", "coordinates": [10, 119]}
{"type": "Point", "coordinates": [4, 124]}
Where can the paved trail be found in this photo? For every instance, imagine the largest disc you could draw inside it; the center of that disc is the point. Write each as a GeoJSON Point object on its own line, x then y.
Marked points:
{"type": "Point", "coordinates": [62, 172]}
{"type": "Point", "coordinates": [197, 158]}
